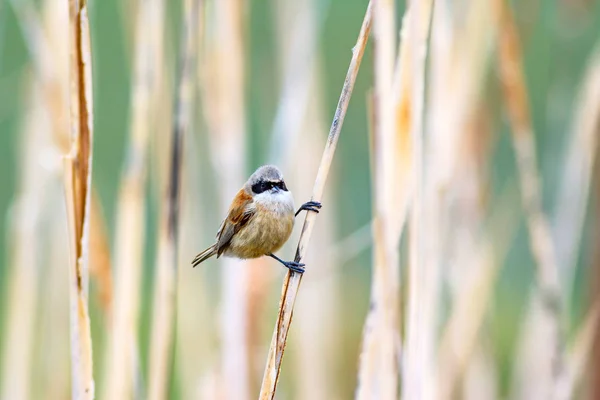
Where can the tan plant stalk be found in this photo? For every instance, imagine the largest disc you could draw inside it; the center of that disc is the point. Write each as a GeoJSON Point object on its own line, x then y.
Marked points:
{"type": "Point", "coordinates": [417, 370]}
{"type": "Point", "coordinates": [298, 27]}
{"type": "Point", "coordinates": [573, 195]}
{"type": "Point", "coordinates": [316, 345]}
{"type": "Point", "coordinates": [223, 100]}
{"type": "Point", "coordinates": [100, 265]}
{"type": "Point", "coordinates": [299, 111]}
{"type": "Point", "coordinates": [78, 179]}
{"type": "Point", "coordinates": [548, 292]}
{"type": "Point", "coordinates": [122, 342]}
{"type": "Point", "coordinates": [592, 386]}
{"type": "Point", "coordinates": [460, 336]}
{"type": "Point", "coordinates": [165, 296]}
{"type": "Point", "coordinates": [25, 258]}
{"type": "Point", "coordinates": [579, 355]}
{"type": "Point", "coordinates": [378, 371]}
{"type": "Point", "coordinates": [292, 281]}
{"type": "Point", "coordinates": [454, 191]}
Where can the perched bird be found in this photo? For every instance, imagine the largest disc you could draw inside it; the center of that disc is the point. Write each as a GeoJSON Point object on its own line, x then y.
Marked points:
{"type": "Point", "coordinates": [259, 221]}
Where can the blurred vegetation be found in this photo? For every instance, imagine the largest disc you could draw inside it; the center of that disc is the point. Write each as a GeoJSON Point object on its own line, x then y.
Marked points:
{"type": "Point", "coordinates": [558, 38]}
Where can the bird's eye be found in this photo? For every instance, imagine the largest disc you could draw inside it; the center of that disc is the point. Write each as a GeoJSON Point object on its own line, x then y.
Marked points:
{"type": "Point", "coordinates": [260, 187]}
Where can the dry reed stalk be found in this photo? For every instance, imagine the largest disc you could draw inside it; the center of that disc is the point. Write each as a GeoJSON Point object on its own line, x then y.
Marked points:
{"type": "Point", "coordinates": [454, 191]}
{"type": "Point", "coordinates": [122, 343]}
{"type": "Point", "coordinates": [378, 370]}
{"type": "Point", "coordinates": [292, 281]}
{"type": "Point", "coordinates": [192, 346]}
{"type": "Point", "coordinates": [316, 346]}
{"type": "Point", "coordinates": [299, 111]}
{"type": "Point", "coordinates": [223, 101]}
{"type": "Point", "coordinates": [100, 265]}
{"type": "Point", "coordinates": [49, 71]}
{"type": "Point", "coordinates": [194, 330]}
{"type": "Point", "coordinates": [579, 355]}
{"type": "Point", "coordinates": [459, 338]}
{"type": "Point", "coordinates": [573, 195]}
{"type": "Point", "coordinates": [418, 373]}
{"type": "Point", "coordinates": [78, 179]}
{"type": "Point", "coordinates": [592, 387]}
{"type": "Point", "coordinates": [53, 332]}
{"type": "Point", "coordinates": [165, 296]}
{"type": "Point", "coordinates": [45, 92]}
{"type": "Point", "coordinates": [548, 292]}
{"type": "Point", "coordinates": [298, 29]}
{"type": "Point", "coordinates": [26, 214]}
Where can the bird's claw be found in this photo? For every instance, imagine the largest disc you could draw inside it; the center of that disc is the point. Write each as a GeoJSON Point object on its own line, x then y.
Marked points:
{"type": "Point", "coordinates": [310, 206]}
{"type": "Point", "coordinates": [294, 266]}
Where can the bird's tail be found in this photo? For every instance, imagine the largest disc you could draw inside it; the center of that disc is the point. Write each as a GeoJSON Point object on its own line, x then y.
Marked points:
{"type": "Point", "coordinates": [206, 254]}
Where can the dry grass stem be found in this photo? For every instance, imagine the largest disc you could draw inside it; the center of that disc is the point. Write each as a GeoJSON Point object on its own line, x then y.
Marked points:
{"type": "Point", "coordinates": [579, 356]}
{"type": "Point", "coordinates": [460, 335]}
{"type": "Point", "coordinates": [573, 195]}
{"type": "Point", "coordinates": [122, 348]}
{"type": "Point", "coordinates": [100, 265]}
{"type": "Point", "coordinates": [298, 30]}
{"type": "Point", "coordinates": [517, 105]}
{"type": "Point", "coordinates": [292, 281]}
{"type": "Point", "coordinates": [48, 70]}
{"type": "Point", "coordinates": [225, 114]}
{"type": "Point", "coordinates": [78, 179]}
{"type": "Point", "coordinates": [22, 289]}
{"type": "Point", "coordinates": [378, 371]}
{"type": "Point", "coordinates": [417, 368]}
{"type": "Point", "coordinates": [165, 296]}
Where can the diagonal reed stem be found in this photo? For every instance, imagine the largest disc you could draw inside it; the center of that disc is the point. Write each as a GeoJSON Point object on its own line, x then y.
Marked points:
{"type": "Point", "coordinates": [292, 280]}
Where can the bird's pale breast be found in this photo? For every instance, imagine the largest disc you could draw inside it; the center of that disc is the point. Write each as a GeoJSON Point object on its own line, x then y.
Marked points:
{"type": "Point", "coordinates": [269, 228]}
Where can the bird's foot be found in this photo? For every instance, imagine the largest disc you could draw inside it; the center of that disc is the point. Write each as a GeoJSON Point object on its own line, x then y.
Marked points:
{"type": "Point", "coordinates": [294, 266]}
{"type": "Point", "coordinates": [310, 206]}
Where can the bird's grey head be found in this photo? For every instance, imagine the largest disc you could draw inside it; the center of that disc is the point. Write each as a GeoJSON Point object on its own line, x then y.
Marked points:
{"type": "Point", "coordinates": [266, 178]}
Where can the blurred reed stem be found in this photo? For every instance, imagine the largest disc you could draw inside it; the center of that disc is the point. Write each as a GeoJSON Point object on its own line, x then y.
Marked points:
{"type": "Point", "coordinates": [292, 281]}
{"type": "Point", "coordinates": [165, 294]}
{"type": "Point", "coordinates": [460, 334]}
{"type": "Point", "coordinates": [223, 94]}
{"type": "Point", "coordinates": [548, 291]}
{"type": "Point", "coordinates": [577, 175]}
{"type": "Point", "coordinates": [122, 349]}
{"type": "Point", "coordinates": [418, 374]}
{"type": "Point", "coordinates": [378, 369]}
{"type": "Point", "coordinates": [78, 179]}
{"type": "Point", "coordinates": [23, 289]}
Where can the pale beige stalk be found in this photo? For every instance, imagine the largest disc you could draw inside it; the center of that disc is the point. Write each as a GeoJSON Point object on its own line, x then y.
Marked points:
{"type": "Point", "coordinates": [573, 194]}
{"type": "Point", "coordinates": [318, 316]}
{"type": "Point", "coordinates": [418, 373]}
{"type": "Point", "coordinates": [223, 101]}
{"type": "Point", "coordinates": [456, 163]}
{"type": "Point", "coordinates": [579, 355]}
{"type": "Point", "coordinates": [299, 116]}
{"type": "Point", "coordinates": [121, 361]}
{"type": "Point", "coordinates": [27, 253]}
{"type": "Point", "coordinates": [292, 281]}
{"type": "Point", "coordinates": [78, 179]}
{"type": "Point", "coordinates": [547, 295]}
{"type": "Point", "coordinates": [460, 335]}
{"type": "Point", "coordinates": [378, 373]}
{"type": "Point", "coordinates": [165, 295]}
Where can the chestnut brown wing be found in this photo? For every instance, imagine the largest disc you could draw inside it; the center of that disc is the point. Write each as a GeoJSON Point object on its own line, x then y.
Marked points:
{"type": "Point", "coordinates": [241, 211]}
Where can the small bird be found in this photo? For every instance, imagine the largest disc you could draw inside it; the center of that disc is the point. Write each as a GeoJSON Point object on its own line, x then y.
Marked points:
{"type": "Point", "coordinates": [260, 220]}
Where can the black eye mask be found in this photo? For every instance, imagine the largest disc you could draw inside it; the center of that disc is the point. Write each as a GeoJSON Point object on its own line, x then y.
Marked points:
{"type": "Point", "coordinates": [263, 186]}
